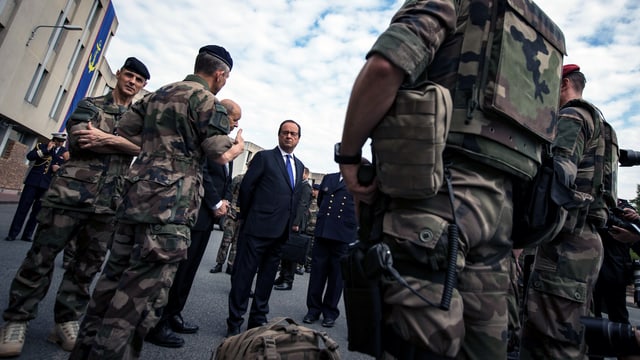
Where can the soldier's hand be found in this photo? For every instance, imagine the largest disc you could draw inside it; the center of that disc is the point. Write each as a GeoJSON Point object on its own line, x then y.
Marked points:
{"type": "Point", "coordinates": [55, 167]}
{"type": "Point", "coordinates": [51, 145]}
{"type": "Point", "coordinates": [91, 137]}
{"type": "Point", "coordinates": [366, 194]}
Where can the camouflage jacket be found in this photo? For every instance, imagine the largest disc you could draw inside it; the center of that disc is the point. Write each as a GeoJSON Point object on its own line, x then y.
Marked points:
{"type": "Point", "coordinates": [90, 181]}
{"type": "Point", "coordinates": [234, 189]}
{"type": "Point", "coordinates": [177, 126]}
{"type": "Point", "coordinates": [580, 143]}
{"type": "Point", "coordinates": [312, 216]}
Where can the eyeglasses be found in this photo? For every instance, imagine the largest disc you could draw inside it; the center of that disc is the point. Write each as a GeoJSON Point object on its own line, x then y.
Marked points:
{"type": "Point", "coordinates": [286, 133]}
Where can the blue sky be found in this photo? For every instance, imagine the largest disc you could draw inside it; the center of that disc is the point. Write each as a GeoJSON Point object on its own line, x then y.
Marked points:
{"type": "Point", "coordinates": [297, 59]}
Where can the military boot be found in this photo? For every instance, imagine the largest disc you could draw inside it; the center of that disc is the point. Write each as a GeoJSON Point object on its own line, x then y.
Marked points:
{"type": "Point", "coordinates": [65, 334]}
{"type": "Point", "coordinates": [12, 338]}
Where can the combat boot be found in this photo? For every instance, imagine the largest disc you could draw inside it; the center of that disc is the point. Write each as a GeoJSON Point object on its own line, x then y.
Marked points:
{"type": "Point", "coordinates": [12, 338]}
{"type": "Point", "coordinates": [65, 334]}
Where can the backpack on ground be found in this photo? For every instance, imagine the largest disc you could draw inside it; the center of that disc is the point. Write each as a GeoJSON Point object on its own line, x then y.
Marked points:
{"type": "Point", "coordinates": [282, 338]}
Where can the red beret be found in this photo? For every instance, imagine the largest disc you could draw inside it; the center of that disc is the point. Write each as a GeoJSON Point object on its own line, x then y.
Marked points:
{"type": "Point", "coordinates": [569, 68]}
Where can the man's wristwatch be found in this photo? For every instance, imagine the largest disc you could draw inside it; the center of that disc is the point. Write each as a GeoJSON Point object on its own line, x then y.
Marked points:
{"type": "Point", "coordinates": [346, 159]}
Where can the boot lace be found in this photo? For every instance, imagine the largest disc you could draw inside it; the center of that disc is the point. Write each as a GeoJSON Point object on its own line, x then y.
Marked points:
{"type": "Point", "coordinates": [14, 332]}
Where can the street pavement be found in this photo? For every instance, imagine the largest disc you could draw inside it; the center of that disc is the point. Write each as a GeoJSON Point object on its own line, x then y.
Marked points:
{"type": "Point", "coordinates": [206, 307]}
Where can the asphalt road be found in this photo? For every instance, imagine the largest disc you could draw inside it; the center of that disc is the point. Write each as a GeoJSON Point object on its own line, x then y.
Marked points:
{"type": "Point", "coordinates": [207, 306]}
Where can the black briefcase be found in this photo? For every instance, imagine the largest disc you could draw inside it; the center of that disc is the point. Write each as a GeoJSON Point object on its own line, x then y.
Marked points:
{"type": "Point", "coordinates": [295, 249]}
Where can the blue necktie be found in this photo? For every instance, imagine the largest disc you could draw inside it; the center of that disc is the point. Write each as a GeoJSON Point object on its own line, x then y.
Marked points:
{"type": "Point", "coordinates": [290, 170]}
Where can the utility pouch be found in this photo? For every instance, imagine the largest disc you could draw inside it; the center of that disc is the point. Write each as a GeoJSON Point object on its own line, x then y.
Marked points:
{"type": "Point", "coordinates": [409, 141]}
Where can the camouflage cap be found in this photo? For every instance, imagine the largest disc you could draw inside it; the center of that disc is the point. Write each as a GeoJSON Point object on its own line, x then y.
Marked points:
{"type": "Point", "coordinates": [569, 68]}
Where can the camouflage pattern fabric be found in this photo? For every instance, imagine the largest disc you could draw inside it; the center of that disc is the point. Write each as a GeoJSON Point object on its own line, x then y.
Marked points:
{"type": "Point", "coordinates": [33, 278]}
{"type": "Point", "coordinates": [313, 214]}
{"type": "Point", "coordinates": [78, 208]}
{"type": "Point", "coordinates": [560, 292]}
{"type": "Point", "coordinates": [176, 126]}
{"type": "Point", "coordinates": [180, 124]}
{"type": "Point", "coordinates": [566, 269]}
{"type": "Point", "coordinates": [131, 291]}
{"type": "Point", "coordinates": [495, 119]}
{"type": "Point", "coordinates": [475, 326]}
{"type": "Point", "coordinates": [90, 181]}
{"type": "Point", "coordinates": [310, 230]}
{"type": "Point", "coordinates": [228, 244]}
{"type": "Point", "coordinates": [231, 225]}
{"type": "Point", "coordinates": [487, 147]}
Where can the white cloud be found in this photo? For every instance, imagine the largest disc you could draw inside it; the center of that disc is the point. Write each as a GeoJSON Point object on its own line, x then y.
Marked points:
{"type": "Point", "coordinates": [298, 59]}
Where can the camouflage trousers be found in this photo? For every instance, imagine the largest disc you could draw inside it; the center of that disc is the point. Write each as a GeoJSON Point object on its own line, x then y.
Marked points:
{"type": "Point", "coordinates": [475, 326]}
{"type": "Point", "coordinates": [560, 292]}
{"type": "Point", "coordinates": [132, 291]}
{"type": "Point", "coordinates": [229, 239]}
{"type": "Point", "coordinates": [33, 279]}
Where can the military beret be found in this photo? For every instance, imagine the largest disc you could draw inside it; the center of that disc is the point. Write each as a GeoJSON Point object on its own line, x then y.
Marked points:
{"type": "Point", "coordinates": [219, 52]}
{"type": "Point", "coordinates": [316, 186]}
{"type": "Point", "coordinates": [569, 68]}
{"type": "Point", "coordinates": [137, 67]}
{"type": "Point", "coordinates": [59, 135]}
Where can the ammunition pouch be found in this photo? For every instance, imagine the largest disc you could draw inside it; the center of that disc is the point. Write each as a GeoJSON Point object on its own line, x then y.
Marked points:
{"type": "Point", "coordinates": [409, 141]}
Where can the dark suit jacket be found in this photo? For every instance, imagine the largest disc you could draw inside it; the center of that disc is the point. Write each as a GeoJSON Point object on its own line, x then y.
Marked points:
{"type": "Point", "coordinates": [336, 215]}
{"type": "Point", "coordinates": [215, 182]}
{"type": "Point", "coordinates": [266, 199]}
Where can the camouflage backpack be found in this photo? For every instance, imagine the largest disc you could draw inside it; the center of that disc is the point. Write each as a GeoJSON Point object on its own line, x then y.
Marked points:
{"type": "Point", "coordinates": [507, 90]}
{"type": "Point", "coordinates": [282, 339]}
{"type": "Point", "coordinates": [504, 99]}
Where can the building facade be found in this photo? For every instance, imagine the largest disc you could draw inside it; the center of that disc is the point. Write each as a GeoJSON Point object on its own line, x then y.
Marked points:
{"type": "Point", "coordinates": [52, 55]}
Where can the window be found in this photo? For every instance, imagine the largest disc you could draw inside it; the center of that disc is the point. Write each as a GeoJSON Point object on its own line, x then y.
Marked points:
{"type": "Point", "coordinates": [61, 97]}
{"type": "Point", "coordinates": [37, 84]}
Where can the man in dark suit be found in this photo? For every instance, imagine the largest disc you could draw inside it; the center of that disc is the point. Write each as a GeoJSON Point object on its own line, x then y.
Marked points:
{"type": "Point", "coordinates": [216, 179]}
{"type": "Point", "coordinates": [268, 201]}
{"type": "Point", "coordinates": [47, 159]}
{"type": "Point", "coordinates": [336, 228]}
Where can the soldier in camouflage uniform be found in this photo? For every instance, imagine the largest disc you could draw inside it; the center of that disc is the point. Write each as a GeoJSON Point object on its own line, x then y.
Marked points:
{"type": "Point", "coordinates": [566, 269]}
{"type": "Point", "coordinates": [423, 42]}
{"type": "Point", "coordinates": [176, 127]}
{"type": "Point", "coordinates": [230, 235]}
{"type": "Point", "coordinates": [79, 204]}
{"type": "Point", "coordinates": [311, 224]}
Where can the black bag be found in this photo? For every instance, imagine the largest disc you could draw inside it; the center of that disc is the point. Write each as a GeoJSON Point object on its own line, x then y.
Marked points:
{"type": "Point", "coordinates": [540, 207]}
{"type": "Point", "coordinates": [295, 249]}
{"type": "Point", "coordinates": [362, 302]}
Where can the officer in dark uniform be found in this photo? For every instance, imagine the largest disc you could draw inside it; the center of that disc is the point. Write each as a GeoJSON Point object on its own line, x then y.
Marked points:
{"type": "Point", "coordinates": [336, 227]}
{"type": "Point", "coordinates": [47, 159]}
